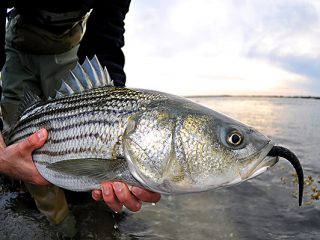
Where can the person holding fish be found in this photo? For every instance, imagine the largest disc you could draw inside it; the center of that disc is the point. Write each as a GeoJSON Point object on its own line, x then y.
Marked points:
{"type": "Point", "coordinates": [99, 130]}
{"type": "Point", "coordinates": [43, 41]}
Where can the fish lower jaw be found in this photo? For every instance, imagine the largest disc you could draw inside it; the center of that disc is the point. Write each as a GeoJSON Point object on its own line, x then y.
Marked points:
{"type": "Point", "coordinates": [259, 168]}
{"type": "Point", "coordinates": [251, 168]}
{"type": "Point", "coordinates": [258, 172]}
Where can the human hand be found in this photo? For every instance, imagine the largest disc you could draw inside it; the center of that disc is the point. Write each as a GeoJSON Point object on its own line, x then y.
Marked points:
{"type": "Point", "coordinates": [118, 194]}
{"type": "Point", "coordinates": [16, 160]}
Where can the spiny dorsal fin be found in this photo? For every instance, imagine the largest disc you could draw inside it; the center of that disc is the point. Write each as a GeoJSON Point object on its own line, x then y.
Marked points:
{"type": "Point", "coordinates": [29, 99]}
{"type": "Point", "coordinates": [108, 78]}
{"type": "Point", "coordinates": [59, 94]}
{"type": "Point", "coordinates": [93, 76]}
{"type": "Point", "coordinates": [98, 69]}
{"type": "Point", "coordinates": [65, 89]}
{"type": "Point", "coordinates": [81, 74]}
{"type": "Point", "coordinates": [88, 76]}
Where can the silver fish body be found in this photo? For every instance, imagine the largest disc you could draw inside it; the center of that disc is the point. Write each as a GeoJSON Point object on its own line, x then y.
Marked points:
{"type": "Point", "coordinates": [162, 142]}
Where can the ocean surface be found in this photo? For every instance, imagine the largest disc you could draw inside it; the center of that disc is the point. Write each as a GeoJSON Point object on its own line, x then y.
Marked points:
{"type": "Point", "coordinates": [265, 207]}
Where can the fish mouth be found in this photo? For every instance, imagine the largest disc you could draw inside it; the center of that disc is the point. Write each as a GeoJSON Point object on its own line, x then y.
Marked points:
{"type": "Point", "coordinates": [263, 166]}
{"type": "Point", "coordinates": [260, 162]}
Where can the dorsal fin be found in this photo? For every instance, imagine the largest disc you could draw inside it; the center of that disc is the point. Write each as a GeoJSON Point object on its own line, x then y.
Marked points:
{"type": "Point", "coordinates": [98, 69]}
{"type": "Point", "coordinates": [28, 99]}
{"type": "Point", "coordinates": [65, 89]}
{"type": "Point", "coordinates": [93, 76]}
{"type": "Point", "coordinates": [108, 78]}
{"type": "Point", "coordinates": [83, 77]}
{"type": "Point", "coordinates": [81, 74]}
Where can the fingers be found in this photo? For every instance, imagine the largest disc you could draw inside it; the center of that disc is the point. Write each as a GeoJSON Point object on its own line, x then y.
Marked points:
{"type": "Point", "coordinates": [37, 139]}
{"type": "Point", "coordinates": [109, 197]}
{"type": "Point", "coordinates": [23, 150]}
{"type": "Point", "coordinates": [117, 194]}
{"type": "Point", "coordinates": [125, 197]}
{"type": "Point", "coordinates": [146, 195]}
{"type": "Point", "coordinates": [34, 141]}
{"type": "Point", "coordinates": [96, 195]}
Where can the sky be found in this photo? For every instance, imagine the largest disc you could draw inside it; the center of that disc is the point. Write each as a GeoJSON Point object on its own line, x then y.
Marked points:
{"type": "Point", "coordinates": [218, 47]}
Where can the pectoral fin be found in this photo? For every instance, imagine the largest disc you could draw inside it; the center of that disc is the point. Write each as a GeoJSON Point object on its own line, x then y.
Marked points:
{"type": "Point", "coordinates": [100, 169]}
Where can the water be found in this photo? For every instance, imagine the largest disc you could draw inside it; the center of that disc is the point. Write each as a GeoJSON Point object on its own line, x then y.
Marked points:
{"type": "Point", "coordinates": [263, 208]}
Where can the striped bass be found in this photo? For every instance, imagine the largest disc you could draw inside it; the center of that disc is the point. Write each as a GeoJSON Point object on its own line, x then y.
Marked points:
{"type": "Point", "coordinates": [165, 143]}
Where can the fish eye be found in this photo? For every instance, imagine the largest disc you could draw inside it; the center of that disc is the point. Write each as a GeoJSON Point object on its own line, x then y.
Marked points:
{"type": "Point", "coordinates": [234, 138]}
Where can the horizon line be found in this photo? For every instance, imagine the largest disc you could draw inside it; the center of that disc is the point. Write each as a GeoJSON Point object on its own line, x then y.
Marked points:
{"type": "Point", "coordinates": [253, 95]}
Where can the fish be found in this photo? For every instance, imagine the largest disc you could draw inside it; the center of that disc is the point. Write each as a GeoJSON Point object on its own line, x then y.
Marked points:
{"type": "Point", "coordinates": [159, 141]}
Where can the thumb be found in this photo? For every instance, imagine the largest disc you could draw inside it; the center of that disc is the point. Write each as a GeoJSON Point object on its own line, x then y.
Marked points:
{"type": "Point", "coordinates": [35, 141]}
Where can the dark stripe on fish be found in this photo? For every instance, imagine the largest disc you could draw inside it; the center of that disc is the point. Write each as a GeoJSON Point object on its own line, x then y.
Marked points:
{"type": "Point", "coordinates": [76, 111]}
{"type": "Point", "coordinates": [63, 128]}
{"type": "Point", "coordinates": [43, 119]}
{"type": "Point", "coordinates": [66, 152]}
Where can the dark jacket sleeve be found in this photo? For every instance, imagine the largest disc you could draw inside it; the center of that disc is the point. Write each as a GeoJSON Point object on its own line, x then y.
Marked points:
{"type": "Point", "coordinates": [104, 37]}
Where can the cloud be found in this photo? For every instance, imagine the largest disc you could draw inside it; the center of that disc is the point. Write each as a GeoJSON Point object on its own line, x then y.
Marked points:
{"type": "Point", "coordinates": [288, 37]}
{"type": "Point", "coordinates": [224, 47]}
